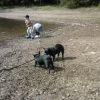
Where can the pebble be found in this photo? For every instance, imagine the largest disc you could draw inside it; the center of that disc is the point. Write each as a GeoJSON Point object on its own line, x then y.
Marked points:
{"type": "Point", "coordinates": [68, 95]}
{"type": "Point", "coordinates": [2, 80]}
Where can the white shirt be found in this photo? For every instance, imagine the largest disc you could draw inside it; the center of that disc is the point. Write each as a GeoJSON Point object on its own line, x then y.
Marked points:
{"type": "Point", "coordinates": [37, 25]}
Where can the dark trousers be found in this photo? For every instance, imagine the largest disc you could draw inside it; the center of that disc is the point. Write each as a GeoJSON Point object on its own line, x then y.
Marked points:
{"type": "Point", "coordinates": [37, 33]}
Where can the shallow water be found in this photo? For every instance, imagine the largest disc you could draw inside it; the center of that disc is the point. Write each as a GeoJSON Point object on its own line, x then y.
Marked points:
{"type": "Point", "coordinates": [11, 28]}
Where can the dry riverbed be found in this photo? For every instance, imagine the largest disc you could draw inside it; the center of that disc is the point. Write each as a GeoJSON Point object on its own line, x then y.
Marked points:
{"type": "Point", "coordinates": [77, 77]}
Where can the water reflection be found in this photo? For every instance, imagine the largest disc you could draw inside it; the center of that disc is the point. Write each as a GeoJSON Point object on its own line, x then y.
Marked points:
{"type": "Point", "coordinates": [11, 28]}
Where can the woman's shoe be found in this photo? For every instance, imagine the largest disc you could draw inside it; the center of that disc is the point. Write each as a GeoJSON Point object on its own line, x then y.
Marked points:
{"type": "Point", "coordinates": [29, 36]}
{"type": "Point", "coordinates": [36, 36]}
{"type": "Point", "coordinates": [32, 36]}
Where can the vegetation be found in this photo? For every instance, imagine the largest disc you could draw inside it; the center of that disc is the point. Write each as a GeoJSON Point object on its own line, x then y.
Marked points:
{"type": "Point", "coordinates": [79, 3]}
{"type": "Point", "coordinates": [67, 3]}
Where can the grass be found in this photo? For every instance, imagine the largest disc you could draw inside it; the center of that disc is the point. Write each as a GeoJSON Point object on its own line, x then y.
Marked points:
{"type": "Point", "coordinates": [47, 8]}
{"type": "Point", "coordinates": [95, 19]}
{"type": "Point", "coordinates": [53, 8]}
{"type": "Point", "coordinates": [7, 7]}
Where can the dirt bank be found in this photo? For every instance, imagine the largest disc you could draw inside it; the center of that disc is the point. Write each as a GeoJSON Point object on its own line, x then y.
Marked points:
{"type": "Point", "coordinates": [75, 78]}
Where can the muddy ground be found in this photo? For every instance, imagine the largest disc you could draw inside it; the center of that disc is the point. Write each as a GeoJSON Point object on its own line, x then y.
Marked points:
{"type": "Point", "coordinates": [77, 77]}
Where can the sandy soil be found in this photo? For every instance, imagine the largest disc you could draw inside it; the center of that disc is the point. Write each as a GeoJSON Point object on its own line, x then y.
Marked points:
{"type": "Point", "coordinates": [77, 77]}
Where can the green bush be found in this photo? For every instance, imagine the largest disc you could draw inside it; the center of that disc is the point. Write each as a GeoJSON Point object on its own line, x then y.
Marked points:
{"type": "Point", "coordinates": [99, 5]}
{"type": "Point", "coordinates": [75, 3]}
{"type": "Point", "coordinates": [68, 3]}
{"type": "Point", "coordinates": [78, 3]}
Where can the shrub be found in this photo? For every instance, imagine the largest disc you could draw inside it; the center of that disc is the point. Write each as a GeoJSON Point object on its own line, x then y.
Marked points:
{"type": "Point", "coordinates": [78, 3]}
{"type": "Point", "coordinates": [69, 3]}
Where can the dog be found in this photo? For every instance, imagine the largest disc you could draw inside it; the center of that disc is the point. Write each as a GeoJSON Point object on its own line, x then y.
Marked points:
{"type": "Point", "coordinates": [43, 60]}
{"type": "Point", "coordinates": [56, 49]}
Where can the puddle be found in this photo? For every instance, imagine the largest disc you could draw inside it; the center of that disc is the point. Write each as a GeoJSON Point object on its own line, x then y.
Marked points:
{"type": "Point", "coordinates": [11, 28]}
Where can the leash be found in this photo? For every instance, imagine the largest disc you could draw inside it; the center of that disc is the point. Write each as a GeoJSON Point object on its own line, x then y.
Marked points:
{"type": "Point", "coordinates": [8, 69]}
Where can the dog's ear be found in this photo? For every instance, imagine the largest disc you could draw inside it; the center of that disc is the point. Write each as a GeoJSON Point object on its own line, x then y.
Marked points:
{"type": "Point", "coordinates": [39, 53]}
{"type": "Point", "coordinates": [48, 49]}
{"type": "Point", "coordinates": [34, 56]}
